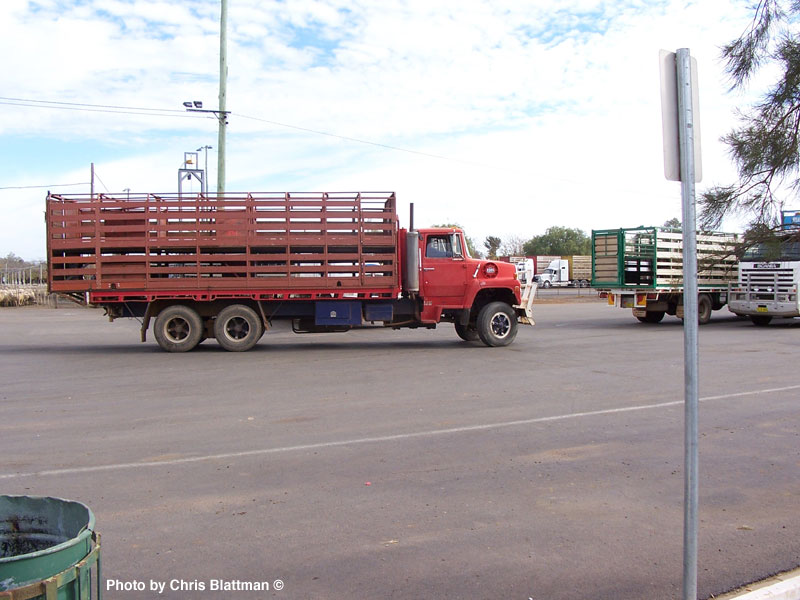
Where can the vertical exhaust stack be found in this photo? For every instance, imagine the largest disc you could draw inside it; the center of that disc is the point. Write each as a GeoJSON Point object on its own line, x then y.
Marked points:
{"type": "Point", "coordinates": [411, 270]}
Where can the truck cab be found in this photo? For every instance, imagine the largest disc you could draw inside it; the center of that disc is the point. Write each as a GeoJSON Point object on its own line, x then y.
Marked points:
{"type": "Point", "coordinates": [556, 273]}
{"type": "Point", "coordinates": [768, 281]}
{"type": "Point", "coordinates": [455, 287]}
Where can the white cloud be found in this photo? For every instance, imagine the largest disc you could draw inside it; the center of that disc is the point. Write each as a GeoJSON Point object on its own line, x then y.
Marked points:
{"type": "Point", "coordinates": [549, 110]}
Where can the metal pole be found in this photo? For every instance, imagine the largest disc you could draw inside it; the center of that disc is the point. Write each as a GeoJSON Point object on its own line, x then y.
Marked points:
{"type": "Point", "coordinates": [686, 128]}
{"type": "Point", "coordinates": [223, 84]}
{"type": "Point", "coordinates": [91, 185]}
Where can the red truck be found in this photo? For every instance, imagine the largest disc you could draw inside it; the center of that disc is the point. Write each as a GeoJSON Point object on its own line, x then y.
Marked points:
{"type": "Point", "coordinates": [227, 267]}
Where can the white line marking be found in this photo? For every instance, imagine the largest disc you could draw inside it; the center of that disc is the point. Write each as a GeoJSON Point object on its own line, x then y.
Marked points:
{"type": "Point", "coordinates": [384, 438]}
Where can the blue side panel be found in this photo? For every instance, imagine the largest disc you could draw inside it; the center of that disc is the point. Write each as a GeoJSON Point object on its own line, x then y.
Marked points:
{"type": "Point", "coordinates": [378, 312]}
{"type": "Point", "coordinates": [337, 312]}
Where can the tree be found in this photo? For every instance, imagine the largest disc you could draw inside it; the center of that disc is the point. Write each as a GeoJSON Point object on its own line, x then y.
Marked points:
{"type": "Point", "coordinates": [15, 268]}
{"type": "Point", "coordinates": [513, 246]}
{"type": "Point", "coordinates": [765, 147]}
{"type": "Point", "coordinates": [559, 241]}
{"type": "Point", "coordinates": [673, 223]}
{"type": "Point", "coordinates": [492, 244]}
{"type": "Point", "coordinates": [12, 261]}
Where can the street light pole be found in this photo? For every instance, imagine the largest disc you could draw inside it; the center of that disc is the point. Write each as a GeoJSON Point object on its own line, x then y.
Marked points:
{"type": "Point", "coordinates": [206, 148]}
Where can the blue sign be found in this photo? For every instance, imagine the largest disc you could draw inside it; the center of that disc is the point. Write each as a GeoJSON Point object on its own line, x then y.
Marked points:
{"type": "Point", "coordinates": [790, 219]}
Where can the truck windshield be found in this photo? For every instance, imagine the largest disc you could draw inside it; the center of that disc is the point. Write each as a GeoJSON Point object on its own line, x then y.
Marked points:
{"type": "Point", "coordinates": [773, 251]}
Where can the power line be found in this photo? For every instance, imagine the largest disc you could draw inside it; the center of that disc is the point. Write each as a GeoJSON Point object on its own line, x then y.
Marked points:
{"type": "Point", "coordinates": [428, 154]}
{"type": "Point", "coordinates": [33, 187]}
{"type": "Point", "coordinates": [100, 108]}
{"type": "Point", "coordinates": [168, 112]}
{"type": "Point", "coordinates": [96, 176]}
{"type": "Point", "coordinates": [360, 141]}
{"type": "Point", "coordinates": [54, 102]}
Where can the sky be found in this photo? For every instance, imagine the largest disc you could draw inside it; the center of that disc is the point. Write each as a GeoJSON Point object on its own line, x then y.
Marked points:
{"type": "Point", "coordinates": [504, 116]}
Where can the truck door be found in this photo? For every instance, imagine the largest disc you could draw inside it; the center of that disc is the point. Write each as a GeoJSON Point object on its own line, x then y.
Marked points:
{"type": "Point", "coordinates": [444, 268]}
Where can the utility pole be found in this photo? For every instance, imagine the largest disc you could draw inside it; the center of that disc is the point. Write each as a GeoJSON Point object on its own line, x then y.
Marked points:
{"type": "Point", "coordinates": [223, 84]}
{"type": "Point", "coordinates": [220, 113]}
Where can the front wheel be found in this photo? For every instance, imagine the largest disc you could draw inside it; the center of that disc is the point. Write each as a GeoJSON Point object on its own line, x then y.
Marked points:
{"type": "Point", "coordinates": [546, 284]}
{"type": "Point", "coordinates": [178, 328]}
{"type": "Point", "coordinates": [237, 328]}
{"type": "Point", "coordinates": [497, 324]}
{"type": "Point", "coordinates": [468, 333]}
{"type": "Point", "coordinates": [760, 320]}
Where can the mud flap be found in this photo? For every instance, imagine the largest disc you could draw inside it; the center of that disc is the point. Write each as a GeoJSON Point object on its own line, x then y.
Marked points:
{"type": "Point", "coordinates": [525, 308]}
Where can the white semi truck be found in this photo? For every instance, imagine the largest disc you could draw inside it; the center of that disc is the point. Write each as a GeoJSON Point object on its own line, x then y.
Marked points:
{"type": "Point", "coordinates": [769, 277]}
{"type": "Point", "coordinates": [567, 271]}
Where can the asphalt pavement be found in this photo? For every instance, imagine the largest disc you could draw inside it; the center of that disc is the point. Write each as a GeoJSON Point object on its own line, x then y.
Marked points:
{"type": "Point", "coordinates": [410, 464]}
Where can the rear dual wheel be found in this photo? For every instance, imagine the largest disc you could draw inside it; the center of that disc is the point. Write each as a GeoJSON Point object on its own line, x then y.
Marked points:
{"type": "Point", "coordinates": [704, 308]}
{"type": "Point", "coordinates": [468, 333]}
{"type": "Point", "coordinates": [238, 328]}
{"type": "Point", "coordinates": [178, 328]}
{"type": "Point", "coordinates": [652, 316]}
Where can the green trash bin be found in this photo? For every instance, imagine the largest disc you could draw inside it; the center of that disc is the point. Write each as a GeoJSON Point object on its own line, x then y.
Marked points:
{"type": "Point", "coordinates": [48, 549]}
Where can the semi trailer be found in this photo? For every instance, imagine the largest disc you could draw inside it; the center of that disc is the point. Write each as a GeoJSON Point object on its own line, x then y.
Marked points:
{"type": "Point", "coordinates": [228, 266]}
{"type": "Point", "coordinates": [641, 268]}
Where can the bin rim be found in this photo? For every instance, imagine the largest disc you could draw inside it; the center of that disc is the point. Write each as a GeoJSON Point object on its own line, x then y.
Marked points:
{"type": "Point", "coordinates": [85, 531]}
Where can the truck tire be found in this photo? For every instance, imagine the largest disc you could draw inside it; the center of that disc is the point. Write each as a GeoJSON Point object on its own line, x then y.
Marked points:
{"type": "Point", "coordinates": [760, 320]}
{"type": "Point", "coordinates": [652, 316]}
{"type": "Point", "coordinates": [468, 333]}
{"type": "Point", "coordinates": [178, 328]}
{"type": "Point", "coordinates": [546, 284]}
{"type": "Point", "coordinates": [704, 308]}
{"type": "Point", "coordinates": [237, 328]}
{"type": "Point", "coordinates": [497, 324]}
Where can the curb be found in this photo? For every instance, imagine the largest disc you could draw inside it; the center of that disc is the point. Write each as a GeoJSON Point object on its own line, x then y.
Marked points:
{"type": "Point", "coordinates": [785, 586]}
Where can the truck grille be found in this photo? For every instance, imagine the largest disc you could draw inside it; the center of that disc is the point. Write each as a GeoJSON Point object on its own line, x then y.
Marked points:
{"type": "Point", "coordinates": [767, 284]}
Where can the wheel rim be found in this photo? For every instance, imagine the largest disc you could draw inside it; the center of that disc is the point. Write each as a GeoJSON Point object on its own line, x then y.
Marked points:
{"type": "Point", "coordinates": [500, 325]}
{"type": "Point", "coordinates": [237, 328]}
{"type": "Point", "coordinates": [177, 329]}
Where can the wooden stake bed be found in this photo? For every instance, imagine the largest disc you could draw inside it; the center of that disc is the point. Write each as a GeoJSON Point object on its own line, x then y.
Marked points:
{"type": "Point", "coordinates": [652, 258]}
{"type": "Point", "coordinates": [275, 243]}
